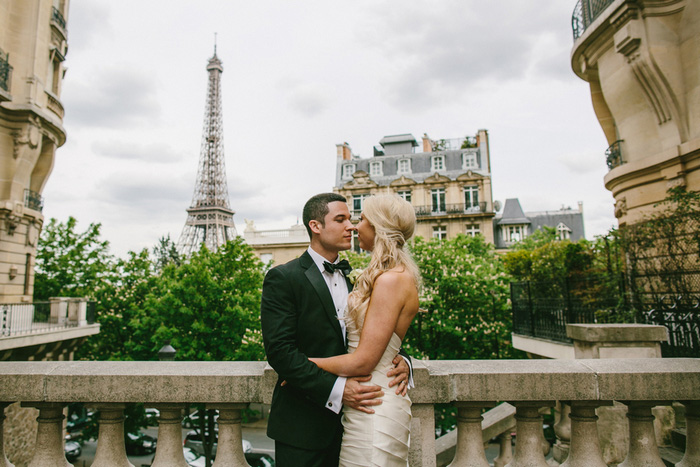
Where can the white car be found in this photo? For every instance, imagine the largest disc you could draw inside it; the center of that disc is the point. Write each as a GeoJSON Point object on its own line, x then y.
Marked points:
{"type": "Point", "coordinates": [193, 459]}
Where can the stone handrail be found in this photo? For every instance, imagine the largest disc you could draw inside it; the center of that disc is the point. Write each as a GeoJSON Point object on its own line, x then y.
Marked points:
{"type": "Point", "coordinates": [471, 385]}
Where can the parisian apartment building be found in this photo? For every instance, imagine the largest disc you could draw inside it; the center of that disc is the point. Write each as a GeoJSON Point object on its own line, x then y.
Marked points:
{"type": "Point", "coordinates": [448, 181]}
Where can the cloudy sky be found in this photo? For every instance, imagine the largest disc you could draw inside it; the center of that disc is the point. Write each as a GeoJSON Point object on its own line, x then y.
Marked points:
{"type": "Point", "coordinates": [300, 77]}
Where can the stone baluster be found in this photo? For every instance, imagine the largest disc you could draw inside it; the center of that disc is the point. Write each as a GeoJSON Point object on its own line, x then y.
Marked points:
{"type": "Point", "coordinates": [229, 452]}
{"type": "Point", "coordinates": [169, 447]}
{"type": "Point", "coordinates": [643, 449]}
{"type": "Point", "coordinates": [562, 428]}
{"type": "Point", "coordinates": [505, 441]}
{"type": "Point", "coordinates": [4, 462]}
{"type": "Point", "coordinates": [111, 451]}
{"type": "Point", "coordinates": [470, 445]}
{"type": "Point", "coordinates": [584, 450]}
{"type": "Point", "coordinates": [528, 445]}
{"type": "Point", "coordinates": [48, 450]}
{"type": "Point", "coordinates": [422, 449]}
{"type": "Point", "coordinates": [692, 439]}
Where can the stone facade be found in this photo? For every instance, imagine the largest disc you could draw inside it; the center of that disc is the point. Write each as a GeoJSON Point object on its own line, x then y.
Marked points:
{"type": "Point", "coordinates": [33, 45]}
{"type": "Point", "coordinates": [279, 246]}
{"type": "Point", "coordinates": [640, 58]}
{"type": "Point", "coordinates": [448, 183]}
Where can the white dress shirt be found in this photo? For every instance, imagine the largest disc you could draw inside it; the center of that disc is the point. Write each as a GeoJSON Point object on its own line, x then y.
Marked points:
{"type": "Point", "coordinates": [338, 288]}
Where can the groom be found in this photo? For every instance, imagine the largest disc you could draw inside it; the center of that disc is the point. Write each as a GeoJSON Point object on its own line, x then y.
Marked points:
{"type": "Point", "coordinates": [302, 303]}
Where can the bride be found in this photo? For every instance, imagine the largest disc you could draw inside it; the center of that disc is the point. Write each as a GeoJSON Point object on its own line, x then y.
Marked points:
{"type": "Point", "coordinates": [381, 307]}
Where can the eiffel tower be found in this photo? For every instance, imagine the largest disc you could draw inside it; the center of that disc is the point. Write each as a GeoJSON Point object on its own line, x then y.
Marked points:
{"type": "Point", "coordinates": [210, 217]}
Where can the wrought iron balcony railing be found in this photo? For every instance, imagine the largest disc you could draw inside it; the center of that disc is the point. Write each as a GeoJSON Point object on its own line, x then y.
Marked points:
{"type": "Point", "coordinates": [585, 12]}
{"type": "Point", "coordinates": [613, 155]}
{"type": "Point", "coordinates": [451, 209]}
{"type": "Point", "coordinates": [470, 385]}
{"type": "Point", "coordinates": [58, 18]}
{"type": "Point", "coordinates": [33, 200]}
{"type": "Point", "coordinates": [5, 72]}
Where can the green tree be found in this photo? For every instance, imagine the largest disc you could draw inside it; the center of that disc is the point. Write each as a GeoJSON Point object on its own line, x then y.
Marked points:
{"type": "Point", "coordinates": [70, 263]}
{"type": "Point", "coordinates": [165, 252]}
{"type": "Point", "coordinates": [120, 303]}
{"type": "Point", "coordinates": [207, 307]}
{"type": "Point", "coordinates": [465, 298]}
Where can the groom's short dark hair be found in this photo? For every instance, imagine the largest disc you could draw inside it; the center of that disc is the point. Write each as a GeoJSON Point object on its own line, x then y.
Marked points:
{"type": "Point", "coordinates": [316, 208]}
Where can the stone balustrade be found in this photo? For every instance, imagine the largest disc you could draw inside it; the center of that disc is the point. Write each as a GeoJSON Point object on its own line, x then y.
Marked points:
{"type": "Point", "coordinates": [472, 385]}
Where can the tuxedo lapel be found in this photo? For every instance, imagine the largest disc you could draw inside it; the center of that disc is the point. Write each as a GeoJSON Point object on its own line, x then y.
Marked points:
{"type": "Point", "coordinates": [319, 285]}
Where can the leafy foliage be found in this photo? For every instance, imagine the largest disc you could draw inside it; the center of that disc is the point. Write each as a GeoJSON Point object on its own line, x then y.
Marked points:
{"type": "Point", "coordinates": [464, 300]}
{"type": "Point", "coordinates": [70, 263]}
{"type": "Point", "coordinates": [663, 250]}
{"type": "Point", "coordinates": [207, 308]}
{"type": "Point", "coordinates": [465, 295]}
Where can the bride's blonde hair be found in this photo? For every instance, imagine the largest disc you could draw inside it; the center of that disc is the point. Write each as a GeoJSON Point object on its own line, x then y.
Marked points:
{"type": "Point", "coordinates": [394, 221]}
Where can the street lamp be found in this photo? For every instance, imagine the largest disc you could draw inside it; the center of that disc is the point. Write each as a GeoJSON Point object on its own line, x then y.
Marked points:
{"type": "Point", "coordinates": [167, 353]}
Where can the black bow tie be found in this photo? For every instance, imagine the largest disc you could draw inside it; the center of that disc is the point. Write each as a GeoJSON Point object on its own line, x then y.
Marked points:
{"type": "Point", "coordinates": [342, 266]}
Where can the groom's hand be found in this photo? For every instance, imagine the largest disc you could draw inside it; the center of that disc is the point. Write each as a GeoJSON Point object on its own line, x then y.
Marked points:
{"type": "Point", "coordinates": [361, 397]}
{"type": "Point", "coordinates": [401, 371]}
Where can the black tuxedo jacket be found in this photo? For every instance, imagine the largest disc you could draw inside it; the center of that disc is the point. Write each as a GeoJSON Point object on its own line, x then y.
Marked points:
{"type": "Point", "coordinates": [299, 321]}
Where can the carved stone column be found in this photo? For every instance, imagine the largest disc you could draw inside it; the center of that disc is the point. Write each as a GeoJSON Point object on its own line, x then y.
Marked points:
{"type": "Point", "coordinates": [422, 449]}
{"type": "Point", "coordinates": [584, 450]}
{"type": "Point", "coordinates": [505, 440]}
{"type": "Point", "coordinates": [643, 450]}
{"type": "Point", "coordinates": [528, 445]}
{"type": "Point", "coordinates": [111, 451]}
{"type": "Point", "coordinates": [470, 444]}
{"type": "Point", "coordinates": [169, 447]}
{"type": "Point", "coordinates": [229, 451]}
{"type": "Point", "coordinates": [48, 451]}
{"type": "Point", "coordinates": [692, 439]}
{"type": "Point", "coordinates": [3, 458]}
{"type": "Point", "coordinates": [560, 450]}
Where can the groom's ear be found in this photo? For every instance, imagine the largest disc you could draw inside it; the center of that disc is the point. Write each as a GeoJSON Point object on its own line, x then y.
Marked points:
{"type": "Point", "coordinates": [315, 226]}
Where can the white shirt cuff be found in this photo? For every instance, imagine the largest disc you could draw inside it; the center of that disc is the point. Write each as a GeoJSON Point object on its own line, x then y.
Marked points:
{"type": "Point", "coordinates": [411, 384]}
{"type": "Point", "coordinates": [335, 400]}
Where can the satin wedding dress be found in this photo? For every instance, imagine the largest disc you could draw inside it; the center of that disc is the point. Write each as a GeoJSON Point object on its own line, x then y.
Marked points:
{"type": "Point", "coordinates": [380, 439]}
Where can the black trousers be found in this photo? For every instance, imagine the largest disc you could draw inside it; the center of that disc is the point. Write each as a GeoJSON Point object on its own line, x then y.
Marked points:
{"type": "Point", "coordinates": [290, 456]}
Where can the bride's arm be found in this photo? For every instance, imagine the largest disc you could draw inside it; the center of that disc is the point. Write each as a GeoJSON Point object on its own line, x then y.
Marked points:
{"type": "Point", "coordinates": [385, 306]}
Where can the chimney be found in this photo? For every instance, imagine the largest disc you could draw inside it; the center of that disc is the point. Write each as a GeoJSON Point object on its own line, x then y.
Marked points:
{"type": "Point", "coordinates": [427, 144]}
{"type": "Point", "coordinates": [344, 151]}
{"type": "Point", "coordinates": [580, 207]}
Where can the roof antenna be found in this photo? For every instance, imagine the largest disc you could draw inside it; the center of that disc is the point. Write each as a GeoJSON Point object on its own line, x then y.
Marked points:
{"type": "Point", "coordinates": [214, 43]}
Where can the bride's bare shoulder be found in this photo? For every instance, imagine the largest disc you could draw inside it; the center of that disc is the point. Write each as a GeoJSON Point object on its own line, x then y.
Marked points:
{"type": "Point", "coordinates": [393, 278]}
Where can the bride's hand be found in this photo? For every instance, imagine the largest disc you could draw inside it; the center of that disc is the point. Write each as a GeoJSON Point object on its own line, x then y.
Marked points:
{"type": "Point", "coordinates": [401, 371]}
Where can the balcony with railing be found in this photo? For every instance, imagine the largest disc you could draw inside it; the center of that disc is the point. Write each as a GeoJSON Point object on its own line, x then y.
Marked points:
{"type": "Point", "coordinates": [33, 200]}
{"type": "Point", "coordinates": [585, 12]}
{"type": "Point", "coordinates": [27, 326]}
{"type": "Point", "coordinates": [472, 386]}
{"type": "Point", "coordinates": [459, 209]}
{"type": "Point", "coordinates": [613, 155]}
{"type": "Point", "coordinates": [543, 311]}
{"type": "Point", "coordinates": [5, 77]}
{"type": "Point", "coordinates": [58, 21]}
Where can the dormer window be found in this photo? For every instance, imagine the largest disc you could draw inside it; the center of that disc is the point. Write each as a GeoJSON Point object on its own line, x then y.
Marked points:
{"type": "Point", "coordinates": [437, 163]}
{"type": "Point", "coordinates": [375, 169]}
{"type": "Point", "coordinates": [563, 232]}
{"type": "Point", "coordinates": [469, 161]}
{"type": "Point", "coordinates": [348, 170]}
{"type": "Point", "coordinates": [404, 166]}
{"type": "Point", "coordinates": [513, 233]}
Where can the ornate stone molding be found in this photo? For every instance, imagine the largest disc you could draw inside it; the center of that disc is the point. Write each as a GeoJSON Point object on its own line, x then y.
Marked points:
{"type": "Point", "coordinates": [620, 207]}
{"type": "Point", "coordinates": [29, 136]}
{"type": "Point", "coordinates": [630, 40]}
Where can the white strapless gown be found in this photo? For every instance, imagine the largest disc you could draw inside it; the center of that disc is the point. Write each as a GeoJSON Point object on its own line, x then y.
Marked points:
{"type": "Point", "coordinates": [380, 439]}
